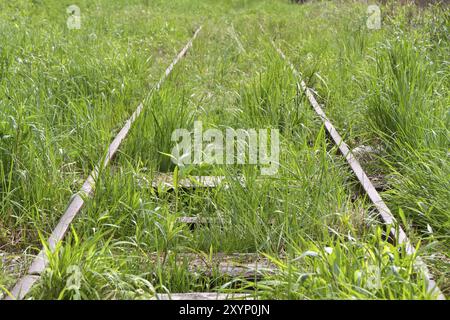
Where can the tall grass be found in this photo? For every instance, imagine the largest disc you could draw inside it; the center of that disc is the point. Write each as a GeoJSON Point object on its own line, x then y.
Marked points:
{"type": "Point", "coordinates": [65, 93]}
{"type": "Point", "coordinates": [402, 103]}
{"type": "Point", "coordinates": [408, 110]}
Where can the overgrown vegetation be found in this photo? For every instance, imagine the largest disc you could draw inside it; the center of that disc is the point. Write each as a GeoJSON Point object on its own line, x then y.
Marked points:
{"type": "Point", "coordinates": [64, 94]}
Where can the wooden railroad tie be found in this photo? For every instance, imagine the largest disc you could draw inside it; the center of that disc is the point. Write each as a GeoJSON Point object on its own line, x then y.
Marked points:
{"type": "Point", "coordinates": [167, 181]}
{"type": "Point", "coordinates": [203, 296]}
{"type": "Point", "coordinates": [231, 265]}
{"type": "Point", "coordinates": [246, 266]}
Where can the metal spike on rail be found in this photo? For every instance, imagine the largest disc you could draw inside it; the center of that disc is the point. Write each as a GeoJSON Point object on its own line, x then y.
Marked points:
{"type": "Point", "coordinates": [396, 231]}
{"type": "Point", "coordinates": [23, 286]}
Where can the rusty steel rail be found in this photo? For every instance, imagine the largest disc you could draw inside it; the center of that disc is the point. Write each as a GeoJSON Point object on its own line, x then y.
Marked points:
{"type": "Point", "coordinates": [396, 232]}
{"type": "Point", "coordinates": [40, 262]}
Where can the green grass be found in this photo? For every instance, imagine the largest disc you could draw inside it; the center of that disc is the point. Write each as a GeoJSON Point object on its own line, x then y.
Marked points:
{"type": "Point", "coordinates": [64, 94]}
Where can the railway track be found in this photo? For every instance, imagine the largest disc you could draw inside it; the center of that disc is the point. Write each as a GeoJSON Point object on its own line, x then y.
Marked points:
{"type": "Point", "coordinates": [236, 265]}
